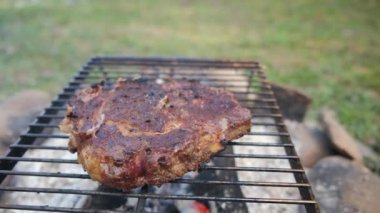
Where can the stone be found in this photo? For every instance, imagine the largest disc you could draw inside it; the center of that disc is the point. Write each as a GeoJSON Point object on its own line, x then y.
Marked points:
{"type": "Point", "coordinates": [367, 152]}
{"type": "Point", "coordinates": [341, 185]}
{"type": "Point", "coordinates": [17, 112]}
{"type": "Point", "coordinates": [343, 142]}
{"type": "Point", "coordinates": [293, 103]}
{"type": "Point", "coordinates": [311, 144]}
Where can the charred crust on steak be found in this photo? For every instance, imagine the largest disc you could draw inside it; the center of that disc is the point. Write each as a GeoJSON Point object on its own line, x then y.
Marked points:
{"type": "Point", "coordinates": [139, 132]}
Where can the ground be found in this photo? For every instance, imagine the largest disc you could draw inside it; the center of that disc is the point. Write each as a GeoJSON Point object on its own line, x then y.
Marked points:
{"type": "Point", "coordinates": [329, 49]}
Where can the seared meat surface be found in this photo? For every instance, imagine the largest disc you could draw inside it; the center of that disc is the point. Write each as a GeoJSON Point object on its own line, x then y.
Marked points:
{"type": "Point", "coordinates": [139, 133]}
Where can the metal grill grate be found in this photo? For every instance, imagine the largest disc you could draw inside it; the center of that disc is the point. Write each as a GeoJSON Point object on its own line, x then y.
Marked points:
{"type": "Point", "coordinates": [266, 150]}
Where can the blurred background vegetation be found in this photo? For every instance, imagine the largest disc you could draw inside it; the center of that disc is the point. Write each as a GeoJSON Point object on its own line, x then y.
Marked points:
{"type": "Point", "coordinates": [330, 49]}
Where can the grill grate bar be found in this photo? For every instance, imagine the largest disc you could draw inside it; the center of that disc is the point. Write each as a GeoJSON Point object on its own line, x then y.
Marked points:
{"type": "Point", "coordinates": [100, 59]}
{"type": "Point", "coordinates": [232, 143]}
{"type": "Point", "coordinates": [254, 107]}
{"type": "Point", "coordinates": [152, 76]}
{"type": "Point", "coordinates": [257, 156]}
{"type": "Point", "coordinates": [42, 160]}
{"type": "Point", "coordinates": [253, 123]}
{"type": "Point", "coordinates": [69, 91]}
{"type": "Point", "coordinates": [44, 135]}
{"type": "Point", "coordinates": [158, 196]}
{"type": "Point", "coordinates": [268, 133]}
{"type": "Point", "coordinates": [260, 144]}
{"type": "Point", "coordinates": [236, 93]}
{"type": "Point", "coordinates": [64, 100]}
{"type": "Point", "coordinates": [44, 125]}
{"type": "Point", "coordinates": [166, 61]}
{"type": "Point", "coordinates": [54, 160]}
{"type": "Point", "coordinates": [211, 82]}
{"type": "Point", "coordinates": [175, 64]}
{"type": "Point", "coordinates": [203, 77]}
{"type": "Point", "coordinates": [184, 181]}
{"type": "Point", "coordinates": [267, 115]}
{"type": "Point", "coordinates": [77, 86]}
{"type": "Point", "coordinates": [80, 81]}
{"type": "Point", "coordinates": [50, 208]}
{"type": "Point", "coordinates": [257, 114]}
{"type": "Point", "coordinates": [64, 148]}
{"type": "Point", "coordinates": [246, 183]}
{"type": "Point", "coordinates": [274, 115]}
{"type": "Point", "coordinates": [45, 174]}
{"type": "Point", "coordinates": [74, 175]}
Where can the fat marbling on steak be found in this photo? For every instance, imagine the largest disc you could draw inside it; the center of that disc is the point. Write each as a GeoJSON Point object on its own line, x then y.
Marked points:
{"type": "Point", "coordinates": [140, 132]}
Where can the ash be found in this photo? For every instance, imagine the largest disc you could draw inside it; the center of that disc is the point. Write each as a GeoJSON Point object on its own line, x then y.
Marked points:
{"type": "Point", "coordinates": [265, 192]}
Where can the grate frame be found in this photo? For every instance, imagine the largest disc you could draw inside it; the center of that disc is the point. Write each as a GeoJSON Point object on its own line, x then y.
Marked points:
{"type": "Point", "coordinates": [263, 105]}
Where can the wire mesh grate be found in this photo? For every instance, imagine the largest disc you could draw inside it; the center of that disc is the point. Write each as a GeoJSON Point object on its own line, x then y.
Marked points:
{"type": "Point", "coordinates": [267, 170]}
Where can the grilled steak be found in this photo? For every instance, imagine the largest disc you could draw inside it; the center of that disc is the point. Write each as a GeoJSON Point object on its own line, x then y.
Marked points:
{"type": "Point", "coordinates": [139, 133]}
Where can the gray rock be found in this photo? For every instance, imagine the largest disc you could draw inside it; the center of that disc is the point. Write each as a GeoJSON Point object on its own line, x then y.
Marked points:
{"type": "Point", "coordinates": [293, 103]}
{"type": "Point", "coordinates": [343, 142]}
{"type": "Point", "coordinates": [367, 152]}
{"type": "Point", "coordinates": [17, 112]}
{"type": "Point", "coordinates": [341, 185]}
{"type": "Point", "coordinates": [311, 144]}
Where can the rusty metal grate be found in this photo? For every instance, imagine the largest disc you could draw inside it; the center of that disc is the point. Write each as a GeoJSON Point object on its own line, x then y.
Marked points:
{"type": "Point", "coordinates": [244, 78]}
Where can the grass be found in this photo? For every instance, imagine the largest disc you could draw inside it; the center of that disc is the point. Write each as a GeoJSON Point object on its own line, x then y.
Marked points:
{"type": "Point", "coordinates": [329, 48]}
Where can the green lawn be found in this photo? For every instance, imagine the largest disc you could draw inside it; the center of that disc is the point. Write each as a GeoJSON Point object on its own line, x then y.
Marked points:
{"type": "Point", "coordinates": [329, 49]}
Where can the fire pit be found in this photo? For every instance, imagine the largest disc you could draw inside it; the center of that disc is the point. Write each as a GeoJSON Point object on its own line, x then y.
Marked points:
{"type": "Point", "coordinates": [260, 171]}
